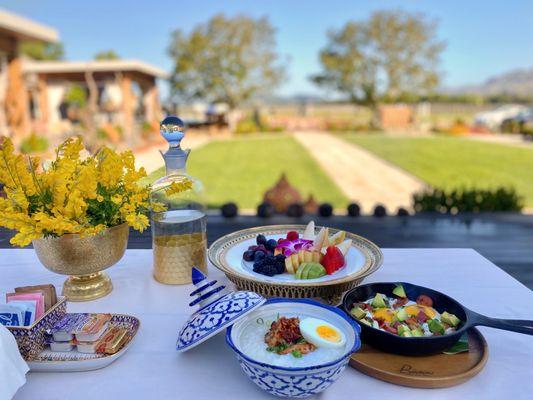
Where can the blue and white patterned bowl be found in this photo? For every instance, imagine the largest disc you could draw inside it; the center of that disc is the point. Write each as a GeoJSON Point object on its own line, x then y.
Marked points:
{"type": "Point", "coordinates": [303, 381]}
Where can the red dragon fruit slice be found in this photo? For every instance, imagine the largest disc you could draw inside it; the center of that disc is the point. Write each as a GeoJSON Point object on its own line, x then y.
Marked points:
{"type": "Point", "coordinates": [289, 247]}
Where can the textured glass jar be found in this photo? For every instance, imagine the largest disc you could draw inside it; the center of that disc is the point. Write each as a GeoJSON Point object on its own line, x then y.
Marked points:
{"type": "Point", "coordinates": [179, 239]}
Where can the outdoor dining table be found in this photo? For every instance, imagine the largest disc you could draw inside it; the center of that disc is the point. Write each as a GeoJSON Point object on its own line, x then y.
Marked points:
{"type": "Point", "coordinates": [152, 369]}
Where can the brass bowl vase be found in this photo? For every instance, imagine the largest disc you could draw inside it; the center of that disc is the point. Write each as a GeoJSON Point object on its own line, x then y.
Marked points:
{"type": "Point", "coordinates": [84, 258]}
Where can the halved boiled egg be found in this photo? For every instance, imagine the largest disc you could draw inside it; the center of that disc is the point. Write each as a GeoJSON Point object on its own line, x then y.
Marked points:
{"type": "Point", "coordinates": [321, 333]}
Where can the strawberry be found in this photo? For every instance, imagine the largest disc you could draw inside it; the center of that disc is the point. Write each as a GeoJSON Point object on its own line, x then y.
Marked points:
{"type": "Point", "coordinates": [292, 235]}
{"type": "Point", "coordinates": [332, 260]}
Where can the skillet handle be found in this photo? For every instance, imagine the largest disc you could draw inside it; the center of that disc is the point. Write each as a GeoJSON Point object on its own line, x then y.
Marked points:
{"type": "Point", "coordinates": [514, 325]}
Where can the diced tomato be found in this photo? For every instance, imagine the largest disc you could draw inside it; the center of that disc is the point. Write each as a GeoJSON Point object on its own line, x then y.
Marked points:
{"type": "Point", "coordinates": [424, 300]}
{"type": "Point", "coordinates": [400, 302]}
{"type": "Point", "coordinates": [390, 329]}
{"type": "Point", "coordinates": [421, 317]}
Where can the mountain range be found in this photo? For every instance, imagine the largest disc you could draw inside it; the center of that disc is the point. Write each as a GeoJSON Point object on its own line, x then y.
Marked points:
{"type": "Point", "coordinates": [516, 82]}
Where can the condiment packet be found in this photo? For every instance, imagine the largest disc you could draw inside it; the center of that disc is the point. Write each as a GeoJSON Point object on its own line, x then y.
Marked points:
{"type": "Point", "coordinates": [11, 315]}
{"type": "Point", "coordinates": [28, 308]}
{"type": "Point", "coordinates": [38, 297]}
{"type": "Point", "coordinates": [48, 291]}
{"type": "Point", "coordinates": [93, 328]}
{"type": "Point", "coordinates": [63, 330]}
{"type": "Point", "coordinates": [62, 346]}
{"type": "Point", "coordinates": [110, 343]}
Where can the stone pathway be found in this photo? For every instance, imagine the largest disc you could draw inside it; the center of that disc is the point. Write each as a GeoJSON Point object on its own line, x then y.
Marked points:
{"type": "Point", "coordinates": [151, 159]}
{"type": "Point", "coordinates": [362, 176]}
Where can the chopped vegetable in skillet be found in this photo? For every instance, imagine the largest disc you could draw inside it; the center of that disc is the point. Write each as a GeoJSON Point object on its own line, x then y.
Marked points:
{"type": "Point", "coordinates": [403, 317]}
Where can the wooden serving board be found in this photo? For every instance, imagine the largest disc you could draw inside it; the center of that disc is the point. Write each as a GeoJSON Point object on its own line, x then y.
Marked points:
{"type": "Point", "coordinates": [435, 371]}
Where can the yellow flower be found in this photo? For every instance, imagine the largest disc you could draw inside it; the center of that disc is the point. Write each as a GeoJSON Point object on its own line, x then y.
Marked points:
{"type": "Point", "coordinates": [138, 221]}
{"type": "Point", "coordinates": [59, 198]}
{"type": "Point", "coordinates": [178, 187]}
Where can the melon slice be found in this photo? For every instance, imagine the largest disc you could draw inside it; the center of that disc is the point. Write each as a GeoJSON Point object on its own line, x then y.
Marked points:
{"type": "Point", "coordinates": [321, 239]}
{"type": "Point", "coordinates": [309, 232]}
{"type": "Point", "coordinates": [345, 246]}
{"type": "Point", "coordinates": [337, 238]}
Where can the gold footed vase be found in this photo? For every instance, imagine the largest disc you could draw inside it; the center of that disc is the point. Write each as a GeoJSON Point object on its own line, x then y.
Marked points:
{"type": "Point", "coordinates": [84, 258]}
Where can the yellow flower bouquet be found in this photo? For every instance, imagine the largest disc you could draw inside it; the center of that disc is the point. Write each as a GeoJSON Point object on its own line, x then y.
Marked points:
{"type": "Point", "coordinates": [73, 194]}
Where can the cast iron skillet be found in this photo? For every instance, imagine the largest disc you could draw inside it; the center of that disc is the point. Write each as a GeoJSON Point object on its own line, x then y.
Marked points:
{"type": "Point", "coordinates": [424, 345]}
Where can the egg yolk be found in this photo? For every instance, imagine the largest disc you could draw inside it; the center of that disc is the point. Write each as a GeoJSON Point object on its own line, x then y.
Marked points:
{"type": "Point", "coordinates": [328, 333]}
{"type": "Point", "coordinates": [415, 309]}
{"type": "Point", "coordinates": [385, 314]}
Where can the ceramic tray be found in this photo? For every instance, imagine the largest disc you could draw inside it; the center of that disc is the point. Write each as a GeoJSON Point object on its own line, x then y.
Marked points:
{"type": "Point", "coordinates": [362, 259]}
{"type": "Point", "coordinates": [51, 361]}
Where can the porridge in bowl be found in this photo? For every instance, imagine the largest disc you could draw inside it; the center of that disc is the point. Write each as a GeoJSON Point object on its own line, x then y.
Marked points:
{"type": "Point", "coordinates": [291, 340]}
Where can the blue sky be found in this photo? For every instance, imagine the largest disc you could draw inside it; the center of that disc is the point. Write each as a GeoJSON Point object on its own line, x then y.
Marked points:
{"type": "Point", "coordinates": [484, 38]}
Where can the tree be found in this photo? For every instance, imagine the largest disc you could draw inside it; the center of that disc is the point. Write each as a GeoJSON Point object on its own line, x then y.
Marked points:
{"type": "Point", "coordinates": [384, 58]}
{"type": "Point", "coordinates": [106, 55]}
{"type": "Point", "coordinates": [42, 51]}
{"type": "Point", "coordinates": [230, 60]}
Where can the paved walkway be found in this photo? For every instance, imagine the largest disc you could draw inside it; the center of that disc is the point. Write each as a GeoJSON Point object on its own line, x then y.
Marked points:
{"type": "Point", "coordinates": [362, 176]}
{"type": "Point", "coordinates": [150, 158]}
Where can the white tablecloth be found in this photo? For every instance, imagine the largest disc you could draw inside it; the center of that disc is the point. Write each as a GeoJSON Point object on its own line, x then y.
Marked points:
{"type": "Point", "coordinates": [152, 369]}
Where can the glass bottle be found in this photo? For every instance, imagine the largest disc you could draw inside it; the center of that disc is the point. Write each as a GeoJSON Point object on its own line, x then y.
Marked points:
{"type": "Point", "coordinates": [178, 234]}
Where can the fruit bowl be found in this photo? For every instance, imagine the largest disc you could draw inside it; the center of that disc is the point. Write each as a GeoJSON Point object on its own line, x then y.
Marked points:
{"type": "Point", "coordinates": [362, 259]}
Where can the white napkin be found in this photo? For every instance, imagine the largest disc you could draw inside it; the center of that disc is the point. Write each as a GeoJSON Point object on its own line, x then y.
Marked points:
{"type": "Point", "coordinates": [13, 368]}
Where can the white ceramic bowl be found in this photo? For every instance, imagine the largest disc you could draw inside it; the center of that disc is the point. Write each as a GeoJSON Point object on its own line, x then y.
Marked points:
{"type": "Point", "coordinates": [301, 381]}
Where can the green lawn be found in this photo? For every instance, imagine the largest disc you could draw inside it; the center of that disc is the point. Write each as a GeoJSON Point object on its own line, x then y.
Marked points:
{"type": "Point", "coordinates": [450, 162]}
{"type": "Point", "coordinates": [241, 170]}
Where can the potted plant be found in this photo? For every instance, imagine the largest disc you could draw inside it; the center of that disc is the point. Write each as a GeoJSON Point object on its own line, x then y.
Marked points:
{"type": "Point", "coordinates": [77, 211]}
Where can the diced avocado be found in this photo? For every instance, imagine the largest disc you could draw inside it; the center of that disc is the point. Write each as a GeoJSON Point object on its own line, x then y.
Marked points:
{"type": "Point", "coordinates": [399, 291]}
{"type": "Point", "coordinates": [316, 270]}
{"type": "Point", "coordinates": [378, 301]}
{"type": "Point", "coordinates": [407, 333]}
{"type": "Point", "coordinates": [358, 313]}
{"type": "Point", "coordinates": [435, 326]}
{"type": "Point", "coordinates": [402, 315]}
{"type": "Point", "coordinates": [403, 330]}
{"type": "Point", "coordinates": [418, 332]}
{"type": "Point", "coordinates": [449, 319]}
{"type": "Point", "coordinates": [364, 321]}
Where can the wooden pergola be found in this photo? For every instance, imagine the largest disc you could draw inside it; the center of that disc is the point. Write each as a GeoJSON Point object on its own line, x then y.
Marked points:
{"type": "Point", "coordinates": [14, 104]}
{"type": "Point", "coordinates": [94, 76]}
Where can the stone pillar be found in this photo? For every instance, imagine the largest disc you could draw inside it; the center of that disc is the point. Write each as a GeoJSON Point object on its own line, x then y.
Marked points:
{"type": "Point", "coordinates": [17, 107]}
{"type": "Point", "coordinates": [42, 99]}
{"type": "Point", "coordinates": [152, 110]}
{"type": "Point", "coordinates": [127, 107]}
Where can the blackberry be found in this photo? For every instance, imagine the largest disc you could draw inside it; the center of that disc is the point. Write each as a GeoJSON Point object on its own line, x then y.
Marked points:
{"type": "Point", "coordinates": [269, 270]}
{"type": "Point", "coordinates": [280, 257]}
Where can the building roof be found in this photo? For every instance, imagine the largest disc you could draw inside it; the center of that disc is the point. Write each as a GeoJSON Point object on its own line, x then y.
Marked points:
{"type": "Point", "coordinates": [65, 67]}
{"type": "Point", "coordinates": [26, 29]}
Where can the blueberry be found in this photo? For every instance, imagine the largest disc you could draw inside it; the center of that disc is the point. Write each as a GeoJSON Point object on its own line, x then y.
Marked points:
{"type": "Point", "coordinates": [261, 239]}
{"type": "Point", "coordinates": [248, 255]}
{"type": "Point", "coordinates": [271, 244]}
{"type": "Point", "coordinates": [259, 255]}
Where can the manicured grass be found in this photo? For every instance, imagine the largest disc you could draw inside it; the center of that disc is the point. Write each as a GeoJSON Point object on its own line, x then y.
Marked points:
{"type": "Point", "coordinates": [450, 162]}
{"type": "Point", "coordinates": [241, 170]}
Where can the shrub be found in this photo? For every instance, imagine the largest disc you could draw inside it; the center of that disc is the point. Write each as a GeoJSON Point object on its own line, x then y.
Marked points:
{"type": "Point", "coordinates": [468, 200]}
{"type": "Point", "coordinates": [250, 126]}
{"type": "Point", "coordinates": [34, 144]}
{"type": "Point", "coordinates": [76, 96]}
